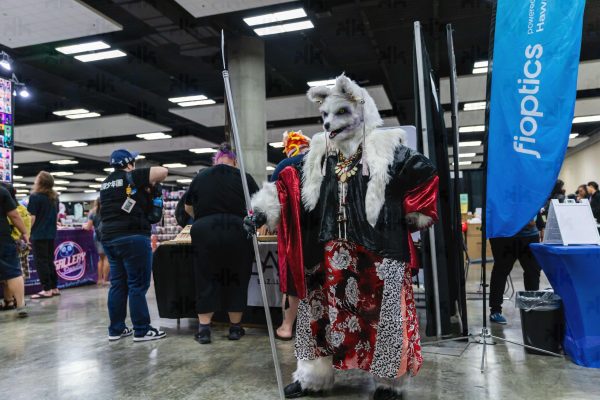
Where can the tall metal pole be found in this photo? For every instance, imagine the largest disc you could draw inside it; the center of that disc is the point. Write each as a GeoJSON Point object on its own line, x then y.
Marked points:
{"type": "Point", "coordinates": [424, 130]}
{"type": "Point", "coordinates": [240, 155]}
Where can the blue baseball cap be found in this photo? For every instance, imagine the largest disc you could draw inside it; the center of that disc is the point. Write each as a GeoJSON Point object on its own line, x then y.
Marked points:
{"type": "Point", "coordinates": [122, 157]}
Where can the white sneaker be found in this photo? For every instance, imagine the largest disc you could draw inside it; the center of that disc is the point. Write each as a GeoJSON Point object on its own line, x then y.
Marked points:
{"type": "Point", "coordinates": [152, 334]}
{"type": "Point", "coordinates": [126, 332]}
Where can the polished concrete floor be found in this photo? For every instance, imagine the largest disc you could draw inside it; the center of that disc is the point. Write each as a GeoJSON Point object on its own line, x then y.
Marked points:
{"type": "Point", "coordinates": [61, 352]}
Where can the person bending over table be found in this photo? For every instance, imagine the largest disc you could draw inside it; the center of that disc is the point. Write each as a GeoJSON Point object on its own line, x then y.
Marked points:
{"type": "Point", "coordinates": [222, 251]}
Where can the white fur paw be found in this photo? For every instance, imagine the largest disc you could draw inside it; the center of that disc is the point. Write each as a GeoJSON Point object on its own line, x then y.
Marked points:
{"type": "Point", "coordinates": [418, 220]}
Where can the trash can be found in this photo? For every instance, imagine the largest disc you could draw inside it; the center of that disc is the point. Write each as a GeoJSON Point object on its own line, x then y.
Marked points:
{"type": "Point", "coordinates": [542, 320]}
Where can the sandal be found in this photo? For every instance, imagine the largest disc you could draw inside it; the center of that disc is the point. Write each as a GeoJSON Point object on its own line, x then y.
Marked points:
{"type": "Point", "coordinates": [8, 305]}
{"type": "Point", "coordinates": [41, 295]}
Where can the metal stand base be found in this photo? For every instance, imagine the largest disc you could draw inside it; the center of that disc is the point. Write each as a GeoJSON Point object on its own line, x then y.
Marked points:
{"type": "Point", "coordinates": [485, 338]}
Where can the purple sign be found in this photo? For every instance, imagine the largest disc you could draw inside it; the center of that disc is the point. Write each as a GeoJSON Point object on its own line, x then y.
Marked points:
{"type": "Point", "coordinates": [75, 258]}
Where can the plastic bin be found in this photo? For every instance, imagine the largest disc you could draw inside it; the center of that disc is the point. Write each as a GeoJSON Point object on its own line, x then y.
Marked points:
{"type": "Point", "coordinates": [542, 320]}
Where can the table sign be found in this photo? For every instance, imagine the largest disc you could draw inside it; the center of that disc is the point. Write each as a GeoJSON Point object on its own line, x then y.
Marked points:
{"type": "Point", "coordinates": [571, 223]}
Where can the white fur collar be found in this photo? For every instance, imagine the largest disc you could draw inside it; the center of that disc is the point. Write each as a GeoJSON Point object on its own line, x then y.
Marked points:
{"type": "Point", "coordinates": [380, 147]}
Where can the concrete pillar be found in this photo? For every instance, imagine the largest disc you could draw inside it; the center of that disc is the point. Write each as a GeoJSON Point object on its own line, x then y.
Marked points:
{"type": "Point", "coordinates": [246, 60]}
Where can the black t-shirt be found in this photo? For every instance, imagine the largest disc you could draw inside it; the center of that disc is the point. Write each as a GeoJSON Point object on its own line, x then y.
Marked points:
{"type": "Point", "coordinates": [114, 221]}
{"type": "Point", "coordinates": [7, 205]}
{"type": "Point", "coordinates": [218, 190]}
{"type": "Point", "coordinates": [45, 211]}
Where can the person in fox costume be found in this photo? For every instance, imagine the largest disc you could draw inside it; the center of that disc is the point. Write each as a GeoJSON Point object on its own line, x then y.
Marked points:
{"type": "Point", "coordinates": [344, 219]}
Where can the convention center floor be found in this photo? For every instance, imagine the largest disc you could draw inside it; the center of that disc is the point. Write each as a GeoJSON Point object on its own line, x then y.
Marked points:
{"type": "Point", "coordinates": [61, 352]}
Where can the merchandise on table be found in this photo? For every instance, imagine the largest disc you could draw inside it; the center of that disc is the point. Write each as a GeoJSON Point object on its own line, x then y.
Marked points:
{"type": "Point", "coordinates": [168, 229]}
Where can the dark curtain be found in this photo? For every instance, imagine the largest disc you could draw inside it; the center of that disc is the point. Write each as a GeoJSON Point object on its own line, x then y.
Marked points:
{"type": "Point", "coordinates": [448, 235]}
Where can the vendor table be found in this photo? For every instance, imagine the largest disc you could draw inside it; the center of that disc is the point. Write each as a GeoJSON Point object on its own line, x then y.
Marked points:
{"type": "Point", "coordinates": [574, 273]}
{"type": "Point", "coordinates": [175, 291]}
{"type": "Point", "coordinates": [75, 258]}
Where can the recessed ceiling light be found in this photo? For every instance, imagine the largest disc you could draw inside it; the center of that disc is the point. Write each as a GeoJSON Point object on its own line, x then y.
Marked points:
{"type": "Point", "coordinates": [19, 195]}
{"type": "Point", "coordinates": [474, 128]}
{"type": "Point", "coordinates": [154, 136]}
{"type": "Point", "coordinates": [283, 28]}
{"type": "Point", "coordinates": [19, 185]}
{"type": "Point", "coordinates": [276, 145]}
{"type": "Point", "coordinates": [64, 162]}
{"type": "Point", "coordinates": [188, 98]}
{"type": "Point", "coordinates": [275, 17]}
{"type": "Point", "coordinates": [59, 188]}
{"type": "Point", "coordinates": [83, 47]}
{"type": "Point", "coordinates": [61, 182]}
{"type": "Point", "coordinates": [473, 143]}
{"type": "Point", "coordinates": [103, 55]}
{"type": "Point", "coordinates": [467, 155]}
{"type": "Point", "coordinates": [270, 168]}
{"type": "Point", "coordinates": [17, 177]}
{"type": "Point", "coordinates": [186, 180]}
{"type": "Point", "coordinates": [586, 118]}
{"type": "Point", "coordinates": [70, 143]}
{"type": "Point", "coordinates": [90, 191]}
{"type": "Point", "coordinates": [481, 64]}
{"type": "Point", "coordinates": [175, 165]}
{"type": "Point", "coordinates": [197, 103]}
{"type": "Point", "coordinates": [61, 173]}
{"type": "Point", "coordinates": [204, 150]}
{"type": "Point", "coordinates": [64, 113]}
{"type": "Point", "coordinates": [22, 190]}
{"type": "Point", "coordinates": [140, 157]}
{"type": "Point", "coordinates": [95, 186]}
{"type": "Point", "coordinates": [462, 163]}
{"type": "Point", "coordinates": [327, 82]}
{"type": "Point", "coordinates": [109, 169]}
{"type": "Point", "coordinates": [571, 136]}
{"type": "Point", "coordinates": [478, 105]}
{"type": "Point", "coordinates": [480, 70]}
{"type": "Point", "coordinates": [86, 115]}
{"type": "Point", "coordinates": [99, 179]}
{"type": "Point", "coordinates": [15, 166]}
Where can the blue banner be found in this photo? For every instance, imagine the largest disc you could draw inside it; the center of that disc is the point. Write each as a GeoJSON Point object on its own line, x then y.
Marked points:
{"type": "Point", "coordinates": [534, 85]}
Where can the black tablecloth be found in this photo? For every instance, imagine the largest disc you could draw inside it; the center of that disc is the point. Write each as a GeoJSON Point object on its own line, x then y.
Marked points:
{"type": "Point", "coordinates": [175, 291]}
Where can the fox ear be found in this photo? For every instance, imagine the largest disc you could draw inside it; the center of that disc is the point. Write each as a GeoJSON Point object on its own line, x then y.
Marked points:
{"type": "Point", "coordinates": [318, 94]}
{"type": "Point", "coordinates": [349, 88]}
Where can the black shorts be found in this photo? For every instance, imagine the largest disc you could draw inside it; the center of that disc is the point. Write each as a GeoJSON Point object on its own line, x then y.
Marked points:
{"type": "Point", "coordinates": [10, 266]}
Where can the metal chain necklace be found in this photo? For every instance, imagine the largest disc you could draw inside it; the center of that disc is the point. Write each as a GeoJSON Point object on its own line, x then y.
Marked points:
{"type": "Point", "coordinates": [347, 167]}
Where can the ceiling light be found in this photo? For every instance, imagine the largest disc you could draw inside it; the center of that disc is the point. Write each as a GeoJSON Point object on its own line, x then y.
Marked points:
{"type": "Point", "coordinates": [70, 143]}
{"type": "Point", "coordinates": [186, 180]}
{"type": "Point", "coordinates": [466, 155]}
{"type": "Point", "coordinates": [270, 168]}
{"type": "Point", "coordinates": [587, 118]}
{"type": "Point", "coordinates": [204, 150]}
{"type": "Point", "coordinates": [17, 177]}
{"type": "Point", "coordinates": [291, 27]}
{"type": "Point", "coordinates": [15, 166]}
{"type": "Point", "coordinates": [24, 92]}
{"type": "Point", "coordinates": [59, 188]}
{"type": "Point", "coordinates": [473, 143]}
{"type": "Point", "coordinates": [64, 113]}
{"type": "Point", "coordinates": [481, 64]}
{"type": "Point", "coordinates": [473, 128]}
{"type": "Point", "coordinates": [109, 169]}
{"type": "Point", "coordinates": [95, 186]}
{"type": "Point", "coordinates": [90, 191]}
{"type": "Point", "coordinates": [197, 103]}
{"type": "Point", "coordinates": [154, 136]}
{"type": "Point", "coordinates": [61, 182]}
{"type": "Point", "coordinates": [86, 115]}
{"type": "Point", "coordinates": [19, 185]}
{"type": "Point", "coordinates": [22, 190]}
{"type": "Point", "coordinates": [103, 55]}
{"type": "Point", "coordinates": [61, 173]}
{"type": "Point", "coordinates": [21, 195]}
{"type": "Point", "coordinates": [328, 82]}
{"type": "Point", "coordinates": [275, 17]}
{"type": "Point", "coordinates": [83, 47]}
{"type": "Point", "coordinates": [187, 98]}
{"type": "Point", "coordinates": [276, 145]}
{"type": "Point", "coordinates": [465, 162]}
{"type": "Point", "coordinates": [140, 157]}
{"type": "Point", "coordinates": [480, 70]}
{"type": "Point", "coordinates": [64, 162]}
{"type": "Point", "coordinates": [573, 135]}
{"type": "Point", "coordinates": [478, 105]}
{"type": "Point", "coordinates": [99, 179]}
{"type": "Point", "coordinates": [5, 61]}
{"type": "Point", "coordinates": [175, 165]}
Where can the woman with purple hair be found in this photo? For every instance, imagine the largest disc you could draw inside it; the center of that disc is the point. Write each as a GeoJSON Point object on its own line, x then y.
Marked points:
{"type": "Point", "coordinates": [222, 251]}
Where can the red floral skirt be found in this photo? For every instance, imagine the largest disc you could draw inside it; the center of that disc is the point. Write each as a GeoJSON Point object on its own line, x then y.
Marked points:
{"type": "Point", "coordinates": [360, 310]}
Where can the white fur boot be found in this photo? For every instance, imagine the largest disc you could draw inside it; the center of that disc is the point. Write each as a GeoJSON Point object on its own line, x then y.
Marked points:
{"type": "Point", "coordinates": [390, 388]}
{"type": "Point", "coordinates": [315, 375]}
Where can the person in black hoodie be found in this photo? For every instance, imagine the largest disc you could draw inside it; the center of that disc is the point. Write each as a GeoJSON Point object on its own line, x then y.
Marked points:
{"type": "Point", "coordinates": [592, 188]}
